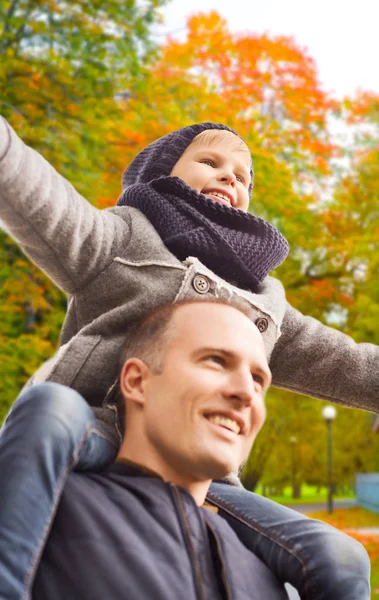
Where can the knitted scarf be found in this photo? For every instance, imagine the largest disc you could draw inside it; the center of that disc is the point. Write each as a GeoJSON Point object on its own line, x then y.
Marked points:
{"type": "Point", "coordinates": [238, 246]}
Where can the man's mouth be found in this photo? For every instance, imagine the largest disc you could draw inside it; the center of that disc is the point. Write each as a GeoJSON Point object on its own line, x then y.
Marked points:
{"type": "Point", "coordinates": [219, 196]}
{"type": "Point", "coordinates": [225, 422]}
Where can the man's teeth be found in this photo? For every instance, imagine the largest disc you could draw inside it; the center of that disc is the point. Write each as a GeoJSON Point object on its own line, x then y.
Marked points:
{"type": "Point", "coordinates": [219, 195]}
{"type": "Point", "coordinates": [225, 422]}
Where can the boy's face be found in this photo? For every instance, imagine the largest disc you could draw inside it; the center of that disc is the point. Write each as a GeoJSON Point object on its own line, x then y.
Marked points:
{"type": "Point", "coordinates": [218, 168]}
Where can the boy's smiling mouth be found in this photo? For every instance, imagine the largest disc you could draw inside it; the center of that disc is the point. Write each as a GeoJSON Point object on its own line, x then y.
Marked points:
{"type": "Point", "coordinates": [221, 196]}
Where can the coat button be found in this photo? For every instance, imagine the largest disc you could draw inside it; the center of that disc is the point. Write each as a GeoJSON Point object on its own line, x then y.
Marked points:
{"type": "Point", "coordinates": [201, 284]}
{"type": "Point", "coordinates": [262, 324]}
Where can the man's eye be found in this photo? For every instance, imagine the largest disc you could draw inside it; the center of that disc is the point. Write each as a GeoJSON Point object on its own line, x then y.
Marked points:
{"type": "Point", "coordinates": [217, 359]}
{"type": "Point", "coordinates": [258, 379]}
{"type": "Point", "coordinates": [208, 161]}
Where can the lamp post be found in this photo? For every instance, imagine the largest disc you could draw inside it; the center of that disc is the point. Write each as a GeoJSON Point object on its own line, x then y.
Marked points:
{"type": "Point", "coordinates": [293, 441]}
{"type": "Point", "coordinates": [329, 413]}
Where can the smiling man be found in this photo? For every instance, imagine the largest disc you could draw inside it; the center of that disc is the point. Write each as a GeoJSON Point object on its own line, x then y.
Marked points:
{"type": "Point", "coordinates": [193, 383]}
{"type": "Point", "coordinates": [195, 415]}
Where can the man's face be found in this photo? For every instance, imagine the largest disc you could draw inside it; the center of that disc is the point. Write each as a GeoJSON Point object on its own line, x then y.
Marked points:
{"type": "Point", "coordinates": [219, 169]}
{"type": "Point", "coordinates": [204, 410]}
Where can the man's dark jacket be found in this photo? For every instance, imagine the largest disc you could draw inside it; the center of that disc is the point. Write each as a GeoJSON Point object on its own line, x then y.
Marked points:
{"type": "Point", "coordinates": [127, 535]}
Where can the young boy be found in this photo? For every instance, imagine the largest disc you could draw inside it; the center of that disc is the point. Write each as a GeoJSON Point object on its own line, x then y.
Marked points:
{"type": "Point", "coordinates": [180, 229]}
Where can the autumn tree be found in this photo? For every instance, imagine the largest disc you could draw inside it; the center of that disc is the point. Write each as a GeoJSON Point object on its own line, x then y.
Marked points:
{"type": "Point", "coordinates": [356, 205]}
{"type": "Point", "coordinates": [61, 67]}
{"type": "Point", "coordinates": [266, 87]}
{"type": "Point", "coordinates": [277, 462]}
{"type": "Point", "coordinates": [340, 286]}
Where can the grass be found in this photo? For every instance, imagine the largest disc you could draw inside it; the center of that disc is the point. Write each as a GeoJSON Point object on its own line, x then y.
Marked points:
{"type": "Point", "coordinates": [351, 518]}
{"type": "Point", "coordinates": [309, 494]}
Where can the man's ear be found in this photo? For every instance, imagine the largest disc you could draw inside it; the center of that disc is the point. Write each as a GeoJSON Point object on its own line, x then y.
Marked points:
{"type": "Point", "coordinates": [133, 377]}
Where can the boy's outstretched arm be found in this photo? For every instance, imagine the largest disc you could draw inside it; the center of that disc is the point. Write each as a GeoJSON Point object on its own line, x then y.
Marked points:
{"type": "Point", "coordinates": [56, 227]}
{"type": "Point", "coordinates": [315, 360]}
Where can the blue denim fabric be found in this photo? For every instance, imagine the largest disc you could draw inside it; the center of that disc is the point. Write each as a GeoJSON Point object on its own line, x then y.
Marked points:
{"type": "Point", "coordinates": [49, 431]}
{"type": "Point", "coordinates": [321, 562]}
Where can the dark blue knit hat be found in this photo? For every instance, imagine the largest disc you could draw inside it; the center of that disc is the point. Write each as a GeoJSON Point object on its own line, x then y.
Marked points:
{"type": "Point", "coordinates": [158, 159]}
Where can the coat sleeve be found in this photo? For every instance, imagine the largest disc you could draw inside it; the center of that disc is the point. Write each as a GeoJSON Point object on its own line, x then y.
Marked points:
{"type": "Point", "coordinates": [57, 228]}
{"type": "Point", "coordinates": [315, 360]}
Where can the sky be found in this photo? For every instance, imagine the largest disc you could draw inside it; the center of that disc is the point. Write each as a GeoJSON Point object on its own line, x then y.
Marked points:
{"type": "Point", "coordinates": [341, 35]}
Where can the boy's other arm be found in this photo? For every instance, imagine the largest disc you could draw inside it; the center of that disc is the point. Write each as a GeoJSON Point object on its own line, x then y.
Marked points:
{"type": "Point", "coordinates": [319, 361]}
{"type": "Point", "coordinates": [56, 227]}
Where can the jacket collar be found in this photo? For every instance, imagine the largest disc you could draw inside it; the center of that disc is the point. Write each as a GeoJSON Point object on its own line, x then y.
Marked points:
{"type": "Point", "coordinates": [124, 466]}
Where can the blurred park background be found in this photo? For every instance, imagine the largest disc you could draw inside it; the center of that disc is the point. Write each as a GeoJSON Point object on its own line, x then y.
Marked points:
{"type": "Point", "coordinates": [88, 84]}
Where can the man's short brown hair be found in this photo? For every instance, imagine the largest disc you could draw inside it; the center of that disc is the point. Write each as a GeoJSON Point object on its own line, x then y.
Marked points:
{"type": "Point", "coordinates": [148, 338]}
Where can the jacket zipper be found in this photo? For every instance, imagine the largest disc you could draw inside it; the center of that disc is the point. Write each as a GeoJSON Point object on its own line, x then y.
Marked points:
{"type": "Point", "coordinates": [222, 563]}
{"type": "Point", "coordinates": [187, 537]}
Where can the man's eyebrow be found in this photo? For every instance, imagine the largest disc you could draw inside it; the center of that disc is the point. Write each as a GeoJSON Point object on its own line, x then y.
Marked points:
{"type": "Point", "coordinates": [265, 373]}
{"type": "Point", "coordinates": [210, 349]}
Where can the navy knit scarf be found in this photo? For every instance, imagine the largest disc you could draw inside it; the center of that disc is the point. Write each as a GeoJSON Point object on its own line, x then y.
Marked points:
{"type": "Point", "coordinates": [238, 246]}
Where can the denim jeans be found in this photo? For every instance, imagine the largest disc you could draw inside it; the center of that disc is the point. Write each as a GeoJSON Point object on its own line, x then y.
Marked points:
{"type": "Point", "coordinates": [321, 562]}
{"type": "Point", "coordinates": [51, 430]}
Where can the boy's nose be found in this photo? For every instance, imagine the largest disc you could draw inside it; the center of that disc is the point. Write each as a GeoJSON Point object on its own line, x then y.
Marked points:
{"type": "Point", "coordinates": [229, 178]}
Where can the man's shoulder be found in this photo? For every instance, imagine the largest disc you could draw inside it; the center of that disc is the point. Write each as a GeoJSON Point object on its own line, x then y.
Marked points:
{"type": "Point", "coordinates": [112, 482]}
{"type": "Point", "coordinates": [108, 504]}
{"type": "Point", "coordinates": [88, 498]}
{"type": "Point", "coordinates": [112, 525]}
{"type": "Point", "coordinates": [121, 492]}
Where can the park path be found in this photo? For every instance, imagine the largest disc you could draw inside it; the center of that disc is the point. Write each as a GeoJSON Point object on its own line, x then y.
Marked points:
{"type": "Point", "coordinates": [311, 507]}
{"type": "Point", "coordinates": [372, 531]}
{"type": "Point", "coordinates": [308, 509]}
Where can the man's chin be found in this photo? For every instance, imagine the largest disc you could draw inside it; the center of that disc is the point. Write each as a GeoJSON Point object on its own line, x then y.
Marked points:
{"type": "Point", "coordinates": [217, 470]}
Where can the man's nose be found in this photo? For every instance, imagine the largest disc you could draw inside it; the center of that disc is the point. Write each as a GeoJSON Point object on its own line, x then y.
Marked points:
{"type": "Point", "coordinates": [241, 388]}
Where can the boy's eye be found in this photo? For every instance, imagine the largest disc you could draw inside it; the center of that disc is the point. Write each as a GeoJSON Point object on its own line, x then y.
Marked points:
{"type": "Point", "coordinates": [208, 161]}
{"type": "Point", "coordinates": [241, 179]}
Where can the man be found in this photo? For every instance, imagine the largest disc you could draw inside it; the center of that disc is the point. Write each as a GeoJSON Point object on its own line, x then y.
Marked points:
{"type": "Point", "coordinates": [193, 384]}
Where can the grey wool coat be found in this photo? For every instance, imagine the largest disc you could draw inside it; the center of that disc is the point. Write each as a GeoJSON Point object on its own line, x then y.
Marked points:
{"type": "Point", "coordinates": [115, 268]}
